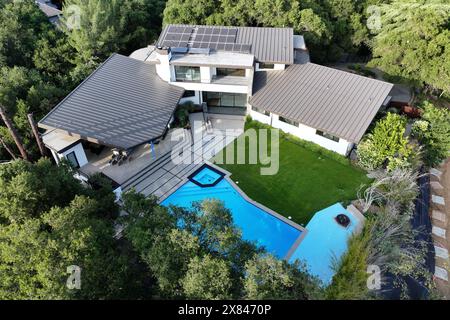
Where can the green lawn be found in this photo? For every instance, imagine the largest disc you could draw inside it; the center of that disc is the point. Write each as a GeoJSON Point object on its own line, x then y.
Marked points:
{"type": "Point", "coordinates": [309, 179]}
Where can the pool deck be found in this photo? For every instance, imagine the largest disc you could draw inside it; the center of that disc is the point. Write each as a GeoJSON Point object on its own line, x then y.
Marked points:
{"type": "Point", "coordinates": [198, 145]}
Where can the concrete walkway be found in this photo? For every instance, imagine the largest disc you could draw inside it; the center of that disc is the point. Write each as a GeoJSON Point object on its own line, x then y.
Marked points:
{"type": "Point", "coordinates": [440, 214]}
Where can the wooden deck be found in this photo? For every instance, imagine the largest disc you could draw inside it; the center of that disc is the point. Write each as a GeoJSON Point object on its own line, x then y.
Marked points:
{"type": "Point", "coordinates": [164, 176]}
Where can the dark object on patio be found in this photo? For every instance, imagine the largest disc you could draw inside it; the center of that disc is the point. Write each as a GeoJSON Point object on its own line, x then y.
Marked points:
{"type": "Point", "coordinates": [343, 220]}
{"type": "Point", "coordinates": [119, 157]}
{"type": "Point", "coordinates": [411, 112]}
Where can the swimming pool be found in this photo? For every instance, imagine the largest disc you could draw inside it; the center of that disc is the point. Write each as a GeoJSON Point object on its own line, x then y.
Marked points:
{"type": "Point", "coordinates": [261, 226]}
{"type": "Point", "coordinates": [325, 241]}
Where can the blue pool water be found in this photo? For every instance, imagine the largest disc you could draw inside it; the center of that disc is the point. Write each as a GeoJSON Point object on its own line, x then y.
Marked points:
{"type": "Point", "coordinates": [207, 176]}
{"type": "Point", "coordinates": [256, 224]}
{"type": "Point", "coordinates": [325, 241]}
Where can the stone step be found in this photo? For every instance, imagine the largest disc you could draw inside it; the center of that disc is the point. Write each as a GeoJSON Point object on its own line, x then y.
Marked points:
{"type": "Point", "coordinates": [438, 232]}
{"type": "Point", "coordinates": [436, 186]}
{"type": "Point", "coordinates": [441, 252]}
{"type": "Point", "coordinates": [441, 273]}
{"type": "Point", "coordinates": [435, 172]}
{"type": "Point", "coordinates": [438, 200]}
{"type": "Point", "coordinates": [439, 216]}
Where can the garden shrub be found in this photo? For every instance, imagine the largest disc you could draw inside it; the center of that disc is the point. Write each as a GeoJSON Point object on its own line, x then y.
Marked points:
{"type": "Point", "coordinates": [386, 146]}
{"type": "Point", "coordinates": [433, 131]}
{"type": "Point", "coordinates": [350, 280]}
{"type": "Point", "coordinates": [182, 114]}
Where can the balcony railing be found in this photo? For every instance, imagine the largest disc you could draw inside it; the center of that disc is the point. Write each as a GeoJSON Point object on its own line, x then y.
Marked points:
{"type": "Point", "coordinates": [231, 80]}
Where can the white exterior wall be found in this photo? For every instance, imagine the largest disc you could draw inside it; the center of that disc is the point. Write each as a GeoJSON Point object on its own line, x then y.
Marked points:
{"type": "Point", "coordinates": [79, 153]}
{"type": "Point", "coordinates": [260, 117]}
{"type": "Point", "coordinates": [278, 66]}
{"type": "Point", "coordinates": [164, 69]}
{"type": "Point", "coordinates": [304, 132]}
{"type": "Point", "coordinates": [205, 74]}
{"type": "Point", "coordinates": [307, 133]}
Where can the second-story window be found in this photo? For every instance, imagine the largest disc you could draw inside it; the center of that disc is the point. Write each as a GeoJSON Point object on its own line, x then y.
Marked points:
{"type": "Point", "coordinates": [230, 72]}
{"type": "Point", "coordinates": [264, 66]}
{"type": "Point", "coordinates": [187, 73]}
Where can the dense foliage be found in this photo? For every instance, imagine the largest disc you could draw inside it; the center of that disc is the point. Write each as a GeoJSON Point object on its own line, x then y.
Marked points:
{"type": "Point", "coordinates": [350, 280]}
{"type": "Point", "coordinates": [433, 131]}
{"type": "Point", "coordinates": [330, 27]}
{"type": "Point", "coordinates": [386, 146]}
{"type": "Point", "coordinates": [413, 42]}
{"type": "Point", "coordinates": [48, 222]}
{"type": "Point", "coordinates": [388, 241]}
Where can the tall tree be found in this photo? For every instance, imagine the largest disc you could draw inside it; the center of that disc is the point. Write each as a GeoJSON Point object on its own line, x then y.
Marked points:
{"type": "Point", "coordinates": [414, 42]}
{"type": "Point", "coordinates": [21, 24]}
{"type": "Point", "coordinates": [48, 222]}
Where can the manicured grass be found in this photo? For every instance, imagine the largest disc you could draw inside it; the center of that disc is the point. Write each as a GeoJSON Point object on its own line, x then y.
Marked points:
{"type": "Point", "coordinates": [309, 179]}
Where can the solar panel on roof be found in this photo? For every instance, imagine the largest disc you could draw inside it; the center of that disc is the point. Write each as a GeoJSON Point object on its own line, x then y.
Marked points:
{"type": "Point", "coordinates": [230, 39]}
{"type": "Point", "coordinates": [171, 28]}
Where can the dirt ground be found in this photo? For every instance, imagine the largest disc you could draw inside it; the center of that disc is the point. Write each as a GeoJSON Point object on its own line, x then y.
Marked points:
{"type": "Point", "coordinates": [443, 286]}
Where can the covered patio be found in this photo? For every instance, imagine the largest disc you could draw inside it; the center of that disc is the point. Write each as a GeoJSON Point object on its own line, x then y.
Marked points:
{"type": "Point", "coordinates": [138, 158]}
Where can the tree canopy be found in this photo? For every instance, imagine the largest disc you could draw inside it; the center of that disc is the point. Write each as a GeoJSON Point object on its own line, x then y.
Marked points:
{"type": "Point", "coordinates": [48, 222]}
{"type": "Point", "coordinates": [414, 42]}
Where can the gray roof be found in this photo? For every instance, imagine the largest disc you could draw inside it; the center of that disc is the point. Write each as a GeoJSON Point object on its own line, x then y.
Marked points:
{"type": "Point", "coordinates": [334, 101]}
{"type": "Point", "coordinates": [269, 45]}
{"type": "Point", "coordinates": [123, 104]}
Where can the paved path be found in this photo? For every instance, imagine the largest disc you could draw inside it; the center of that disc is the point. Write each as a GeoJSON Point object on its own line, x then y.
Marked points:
{"type": "Point", "coordinates": [440, 214]}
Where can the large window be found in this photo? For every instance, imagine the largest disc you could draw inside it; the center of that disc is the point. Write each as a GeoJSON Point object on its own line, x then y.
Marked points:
{"type": "Point", "coordinates": [327, 135]}
{"type": "Point", "coordinates": [263, 65]}
{"type": "Point", "coordinates": [288, 121]}
{"type": "Point", "coordinates": [221, 99]}
{"type": "Point", "coordinates": [185, 73]}
{"type": "Point", "coordinates": [72, 158]}
{"type": "Point", "coordinates": [230, 72]}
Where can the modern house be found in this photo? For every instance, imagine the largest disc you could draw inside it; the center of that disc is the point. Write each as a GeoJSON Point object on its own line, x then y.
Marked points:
{"type": "Point", "coordinates": [128, 103]}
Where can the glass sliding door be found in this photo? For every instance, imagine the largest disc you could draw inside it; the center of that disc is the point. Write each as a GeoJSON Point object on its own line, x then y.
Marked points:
{"type": "Point", "coordinates": [227, 100]}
